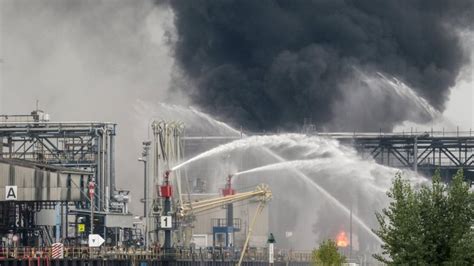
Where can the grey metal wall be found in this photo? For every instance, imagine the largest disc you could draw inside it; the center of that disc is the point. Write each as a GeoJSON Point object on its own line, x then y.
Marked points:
{"type": "Point", "coordinates": [40, 185]}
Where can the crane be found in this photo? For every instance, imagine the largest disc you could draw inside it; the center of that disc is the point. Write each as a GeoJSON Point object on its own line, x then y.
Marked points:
{"type": "Point", "coordinates": [261, 192]}
{"type": "Point", "coordinates": [188, 209]}
{"type": "Point", "coordinates": [167, 149]}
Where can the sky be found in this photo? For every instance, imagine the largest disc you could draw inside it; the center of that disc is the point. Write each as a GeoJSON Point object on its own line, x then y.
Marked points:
{"type": "Point", "coordinates": [460, 108]}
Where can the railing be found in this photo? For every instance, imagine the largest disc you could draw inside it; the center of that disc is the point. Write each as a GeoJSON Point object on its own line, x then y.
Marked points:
{"type": "Point", "coordinates": [353, 134]}
{"type": "Point", "coordinates": [135, 254]}
{"type": "Point", "coordinates": [222, 222]}
{"type": "Point", "coordinates": [408, 134]}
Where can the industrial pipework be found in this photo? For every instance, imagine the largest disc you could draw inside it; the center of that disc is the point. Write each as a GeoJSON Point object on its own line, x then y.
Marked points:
{"type": "Point", "coordinates": [166, 193]}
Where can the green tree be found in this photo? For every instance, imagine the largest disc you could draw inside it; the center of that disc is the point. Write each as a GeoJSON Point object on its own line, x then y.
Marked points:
{"type": "Point", "coordinates": [431, 225]}
{"type": "Point", "coordinates": [460, 221]}
{"type": "Point", "coordinates": [327, 254]}
{"type": "Point", "coordinates": [398, 223]}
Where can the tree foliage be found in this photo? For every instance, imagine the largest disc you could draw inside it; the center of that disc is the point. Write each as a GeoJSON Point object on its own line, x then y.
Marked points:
{"type": "Point", "coordinates": [432, 225]}
{"type": "Point", "coordinates": [327, 254]}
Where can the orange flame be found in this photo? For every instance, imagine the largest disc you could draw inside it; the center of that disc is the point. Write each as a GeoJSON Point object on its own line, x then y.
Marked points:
{"type": "Point", "coordinates": [341, 240]}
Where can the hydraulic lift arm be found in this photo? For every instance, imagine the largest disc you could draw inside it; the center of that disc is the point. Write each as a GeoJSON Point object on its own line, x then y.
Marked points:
{"type": "Point", "coordinates": [262, 193]}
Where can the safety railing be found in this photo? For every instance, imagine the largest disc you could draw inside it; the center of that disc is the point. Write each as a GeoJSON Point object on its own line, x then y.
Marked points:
{"type": "Point", "coordinates": [137, 254]}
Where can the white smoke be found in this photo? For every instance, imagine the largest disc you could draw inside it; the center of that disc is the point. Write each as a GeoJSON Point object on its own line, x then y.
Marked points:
{"type": "Point", "coordinates": [88, 60]}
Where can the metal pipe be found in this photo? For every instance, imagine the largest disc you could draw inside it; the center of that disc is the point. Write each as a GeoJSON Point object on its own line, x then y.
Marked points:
{"type": "Point", "coordinates": [92, 198]}
{"type": "Point", "coordinates": [167, 210]}
{"type": "Point", "coordinates": [112, 165]}
{"type": "Point", "coordinates": [98, 168]}
{"type": "Point", "coordinates": [60, 123]}
{"type": "Point", "coordinates": [249, 234]}
{"type": "Point", "coordinates": [105, 180]}
{"type": "Point", "coordinates": [145, 202]}
{"type": "Point", "coordinates": [262, 193]}
{"type": "Point", "coordinates": [1, 147]}
{"type": "Point", "coordinates": [107, 188]}
{"type": "Point", "coordinates": [350, 232]}
{"type": "Point", "coordinates": [415, 155]}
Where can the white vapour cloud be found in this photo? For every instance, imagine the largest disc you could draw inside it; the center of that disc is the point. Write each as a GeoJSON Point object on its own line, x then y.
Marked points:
{"type": "Point", "coordinates": [87, 60]}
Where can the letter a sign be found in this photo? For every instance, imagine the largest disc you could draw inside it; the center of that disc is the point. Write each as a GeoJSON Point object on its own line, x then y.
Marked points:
{"type": "Point", "coordinates": [11, 193]}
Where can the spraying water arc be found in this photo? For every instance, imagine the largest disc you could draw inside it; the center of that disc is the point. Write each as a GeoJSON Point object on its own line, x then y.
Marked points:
{"type": "Point", "coordinates": [297, 152]}
{"type": "Point", "coordinates": [337, 203]}
{"type": "Point", "coordinates": [295, 164]}
{"type": "Point", "coordinates": [261, 144]}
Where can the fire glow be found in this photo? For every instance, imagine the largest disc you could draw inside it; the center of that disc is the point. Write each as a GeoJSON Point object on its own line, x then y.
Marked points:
{"type": "Point", "coordinates": [341, 240]}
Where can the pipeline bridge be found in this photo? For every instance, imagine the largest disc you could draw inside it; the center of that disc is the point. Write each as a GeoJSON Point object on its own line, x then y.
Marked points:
{"type": "Point", "coordinates": [422, 152]}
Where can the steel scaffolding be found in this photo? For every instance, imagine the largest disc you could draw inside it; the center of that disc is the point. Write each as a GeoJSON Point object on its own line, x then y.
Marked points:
{"type": "Point", "coordinates": [421, 152]}
{"type": "Point", "coordinates": [85, 146]}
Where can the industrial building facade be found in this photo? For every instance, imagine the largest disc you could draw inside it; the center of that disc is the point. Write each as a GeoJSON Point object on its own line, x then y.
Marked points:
{"type": "Point", "coordinates": [50, 167]}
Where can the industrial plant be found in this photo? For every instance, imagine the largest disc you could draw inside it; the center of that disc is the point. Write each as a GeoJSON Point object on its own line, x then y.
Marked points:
{"type": "Point", "coordinates": [248, 133]}
{"type": "Point", "coordinates": [61, 200]}
{"type": "Point", "coordinates": [58, 179]}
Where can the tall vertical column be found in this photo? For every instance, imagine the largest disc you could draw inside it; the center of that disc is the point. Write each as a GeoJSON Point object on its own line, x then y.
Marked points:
{"type": "Point", "coordinates": [166, 193]}
{"type": "Point", "coordinates": [58, 220]}
{"type": "Point", "coordinates": [270, 253]}
{"type": "Point", "coordinates": [10, 147]}
{"type": "Point", "coordinates": [145, 202]}
{"type": "Point", "coordinates": [106, 170]}
{"type": "Point", "coordinates": [98, 176]}
{"type": "Point", "coordinates": [415, 154]}
{"type": "Point", "coordinates": [1, 147]}
{"type": "Point", "coordinates": [229, 191]}
{"type": "Point", "coordinates": [146, 197]}
{"type": "Point", "coordinates": [112, 164]}
{"type": "Point", "coordinates": [167, 210]}
{"type": "Point", "coordinates": [91, 197]}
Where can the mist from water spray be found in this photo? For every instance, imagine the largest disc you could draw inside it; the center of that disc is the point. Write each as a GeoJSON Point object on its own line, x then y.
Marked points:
{"type": "Point", "coordinates": [211, 120]}
{"type": "Point", "coordinates": [309, 153]}
{"type": "Point", "coordinates": [394, 100]}
{"type": "Point", "coordinates": [313, 146]}
{"type": "Point", "coordinates": [409, 94]}
{"type": "Point", "coordinates": [298, 165]}
{"type": "Point", "coordinates": [293, 167]}
{"type": "Point", "coordinates": [427, 115]}
{"type": "Point", "coordinates": [240, 144]}
{"type": "Point", "coordinates": [381, 82]}
{"type": "Point", "coordinates": [197, 123]}
{"type": "Point", "coordinates": [332, 173]}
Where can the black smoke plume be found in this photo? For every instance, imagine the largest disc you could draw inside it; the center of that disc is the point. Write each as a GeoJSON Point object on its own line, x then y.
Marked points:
{"type": "Point", "coordinates": [272, 64]}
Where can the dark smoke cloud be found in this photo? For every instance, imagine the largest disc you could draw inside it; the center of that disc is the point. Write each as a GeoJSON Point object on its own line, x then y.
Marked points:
{"type": "Point", "coordinates": [271, 64]}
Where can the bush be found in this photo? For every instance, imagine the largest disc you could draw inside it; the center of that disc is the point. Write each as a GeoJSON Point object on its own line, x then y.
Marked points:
{"type": "Point", "coordinates": [327, 254]}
